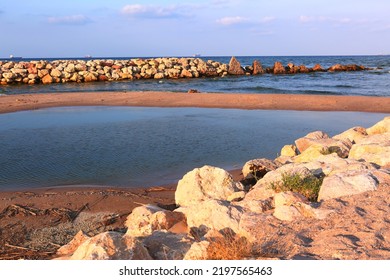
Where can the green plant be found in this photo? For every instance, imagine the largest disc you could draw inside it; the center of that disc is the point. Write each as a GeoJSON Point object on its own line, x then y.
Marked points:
{"type": "Point", "coordinates": [308, 186]}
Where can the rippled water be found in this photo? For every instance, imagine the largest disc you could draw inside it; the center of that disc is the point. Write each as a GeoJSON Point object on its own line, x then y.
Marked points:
{"type": "Point", "coordinates": [122, 146]}
{"type": "Point", "coordinates": [374, 82]}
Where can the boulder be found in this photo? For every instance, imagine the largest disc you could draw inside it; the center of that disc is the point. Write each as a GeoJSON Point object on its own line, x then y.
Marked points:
{"type": "Point", "coordinates": [198, 251]}
{"type": "Point", "coordinates": [257, 168]}
{"type": "Point", "coordinates": [299, 211]}
{"type": "Point", "coordinates": [205, 183]}
{"type": "Point", "coordinates": [289, 198]}
{"type": "Point", "coordinates": [288, 150]}
{"type": "Point", "coordinates": [185, 74]}
{"type": "Point", "coordinates": [323, 143]}
{"type": "Point", "coordinates": [311, 154]}
{"type": "Point", "coordinates": [346, 183]}
{"type": "Point", "coordinates": [380, 127]}
{"type": "Point", "coordinates": [287, 213]}
{"type": "Point", "coordinates": [374, 153]}
{"type": "Point", "coordinates": [257, 68]}
{"type": "Point", "coordinates": [143, 220]}
{"type": "Point", "coordinates": [47, 79]}
{"type": "Point", "coordinates": [236, 196]}
{"type": "Point", "coordinates": [277, 174]}
{"type": "Point", "coordinates": [89, 77]}
{"type": "Point", "coordinates": [164, 245]}
{"type": "Point", "coordinates": [71, 247]}
{"type": "Point", "coordinates": [111, 246]}
{"type": "Point", "coordinates": [303, 69]}
{"type": "Point", "coordinates": [262, 189]}
{"type": "Point", "coordinates": [318, 68]}
{"type": "Point", "coordinates": [56, 73]}
{"type": "Point", "coordinates": [256, 206]}
{"type": "Point", "coordinates": [337, 68]}
{"type": "Point", "coordinates": [212, 214]}
{"type": "Point", "coordinates": [279, 68]}
{"type": "Point", "coordinates": [235, 68]}
{"type": "Point", "coordinates": [306, 141]}
{"type": "Point", "coordinates": [354, 134]}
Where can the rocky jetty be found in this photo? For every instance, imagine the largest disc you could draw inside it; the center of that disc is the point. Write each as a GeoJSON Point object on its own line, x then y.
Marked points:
{"type": "Point", "coordinates": [64, 71]}
{"type": "Point", "coordinates": [318, 194]}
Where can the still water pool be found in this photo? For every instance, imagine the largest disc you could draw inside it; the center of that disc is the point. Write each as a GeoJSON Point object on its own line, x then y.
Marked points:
{"type": "Point", "coordinates": [131, 147]}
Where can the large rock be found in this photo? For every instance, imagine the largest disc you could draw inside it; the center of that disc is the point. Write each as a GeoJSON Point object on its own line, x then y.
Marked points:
{"type": "Point", "coordinates": [205, 183]}
{"type": "Point", "coordinates": [163, 245]}
{"type": "Point", "coordinates": [257, 68]}
{"type": "Point", "coordinates": [47, 79]}
{"type": "Point", "coordinates": [257, 168]}
{"type": "Point", "coordinates": [322, 141]}
{"type": "Point", "coordinates": [354, 134]}
{"type": "Point", "coordinates": [312, 153]}
{"type": "Point", "coordinates": [68, 249]}
{"type": "Point", "coordinates": [380, 127]}
{"type": "Point", "coordinates": [145, 219]}
{"type": "Point", "coordinates": [262, 189]}
{"type": "Point", "coordinates": [235, 67]}
{"type": "Point", "coordinates": [306, 141]}
{"type": "Point", "coordinates": [374, 153]}
{"type": "Point", "coordinates": [318, 68]}
{"type": "Point", "coordinates": [198, 251]}
{"type": "Point", "coordinates": [279, 68]}
{"type": "Point", "coordinates": [346, 183]}
{"type": "Point", "coordinates": [212, 214]}
{"type": "Point", "coordinates": [299, 211]}
{"type": "Point", "coordinates": [111, 246]}
{"type": "Point", "coordinates": [290, 206]}
{"type": "Point", "coordinates": [289, 151]}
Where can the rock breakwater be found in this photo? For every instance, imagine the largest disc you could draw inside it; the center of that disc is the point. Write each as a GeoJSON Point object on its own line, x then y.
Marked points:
{"type": "Point", "coordinates": [64, 71]}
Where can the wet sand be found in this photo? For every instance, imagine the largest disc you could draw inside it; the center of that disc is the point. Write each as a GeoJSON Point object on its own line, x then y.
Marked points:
{"type": "Point", "coordinates": [301, 102]}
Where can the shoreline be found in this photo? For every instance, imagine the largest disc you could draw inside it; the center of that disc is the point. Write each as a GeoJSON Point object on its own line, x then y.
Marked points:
{"type": "Point", "coordinates": [248, 101]}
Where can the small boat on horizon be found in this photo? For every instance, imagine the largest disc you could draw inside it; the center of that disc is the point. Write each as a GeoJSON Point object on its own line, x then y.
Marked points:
{"type": "Point", "coordinates": [15, 57]}
{"type": "Point", "coordinates": [197, 55]}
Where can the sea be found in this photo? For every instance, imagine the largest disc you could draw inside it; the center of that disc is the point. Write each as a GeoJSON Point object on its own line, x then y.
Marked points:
{"type": "Point", "coordinates": [141, 147]}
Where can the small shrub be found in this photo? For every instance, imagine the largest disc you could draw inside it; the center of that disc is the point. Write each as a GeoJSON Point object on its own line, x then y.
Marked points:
{"type": "Point", "coordinates": [307, 186]}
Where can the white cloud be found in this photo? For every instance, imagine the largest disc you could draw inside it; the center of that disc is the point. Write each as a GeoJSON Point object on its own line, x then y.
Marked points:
{"type": "Point", "coordinates": [310, 19]}
{"type": "Point", "coordinates": [70, 20]}
{"type": "Point", "coordinates": [267, 19]}
{"type": "Point", "coordinates": [232, 20]}
{"type": "Point", "coordinates": [152, 11]}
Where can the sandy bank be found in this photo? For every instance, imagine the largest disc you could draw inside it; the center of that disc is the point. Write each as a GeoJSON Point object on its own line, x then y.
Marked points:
{"type": "Point", "coordinates": [13, 103]}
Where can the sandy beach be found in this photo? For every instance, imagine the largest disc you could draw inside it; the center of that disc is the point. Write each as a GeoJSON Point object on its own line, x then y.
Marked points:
{"type": "Point", "coordinates": [14, 103]}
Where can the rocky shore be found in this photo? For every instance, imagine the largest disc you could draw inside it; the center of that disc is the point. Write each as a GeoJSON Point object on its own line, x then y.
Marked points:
{"type": "Point", "coordinates": [322, 198]}
{"type": "Point", "coordinates": [64, 71]}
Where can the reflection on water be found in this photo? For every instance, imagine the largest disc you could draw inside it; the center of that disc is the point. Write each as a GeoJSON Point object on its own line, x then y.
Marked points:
{"type": "Point", "coordinates": [124, 146]}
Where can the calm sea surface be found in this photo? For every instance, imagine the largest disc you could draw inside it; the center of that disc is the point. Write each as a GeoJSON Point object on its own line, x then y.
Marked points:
{"type": "Point", "coordinates": [124, 146]}
{"type": "Point", "coordinates": [375, 82]}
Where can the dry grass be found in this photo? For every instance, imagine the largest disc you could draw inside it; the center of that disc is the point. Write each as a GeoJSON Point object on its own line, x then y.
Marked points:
{"type": "Point", "coordinates": [234, 247]}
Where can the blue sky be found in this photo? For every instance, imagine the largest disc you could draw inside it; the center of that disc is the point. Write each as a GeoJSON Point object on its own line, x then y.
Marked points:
{"type": "Point", "coordinates": [75, 28]}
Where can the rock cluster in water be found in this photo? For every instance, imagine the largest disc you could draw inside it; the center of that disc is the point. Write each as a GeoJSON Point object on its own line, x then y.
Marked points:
{"type": "Point", "coordinates": [210, 204]}
{"type": "Point", "coordinates": [64, 71]}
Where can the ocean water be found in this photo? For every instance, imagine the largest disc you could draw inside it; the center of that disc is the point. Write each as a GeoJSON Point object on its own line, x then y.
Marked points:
{"type": "Point", "coordinates": [132, 147]}
{"type": "Point", "coordinates": [375, 82]}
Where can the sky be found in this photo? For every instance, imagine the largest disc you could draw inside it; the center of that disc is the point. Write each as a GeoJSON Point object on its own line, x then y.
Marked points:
{"type": "Point", "coordinates": [125, 28]}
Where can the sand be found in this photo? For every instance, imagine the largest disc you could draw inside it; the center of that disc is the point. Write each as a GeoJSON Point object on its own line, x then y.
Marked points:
{"type": "Point", "coordinates": [13, 103]}
{"type": "Point", "coordinates": [26, 217]}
